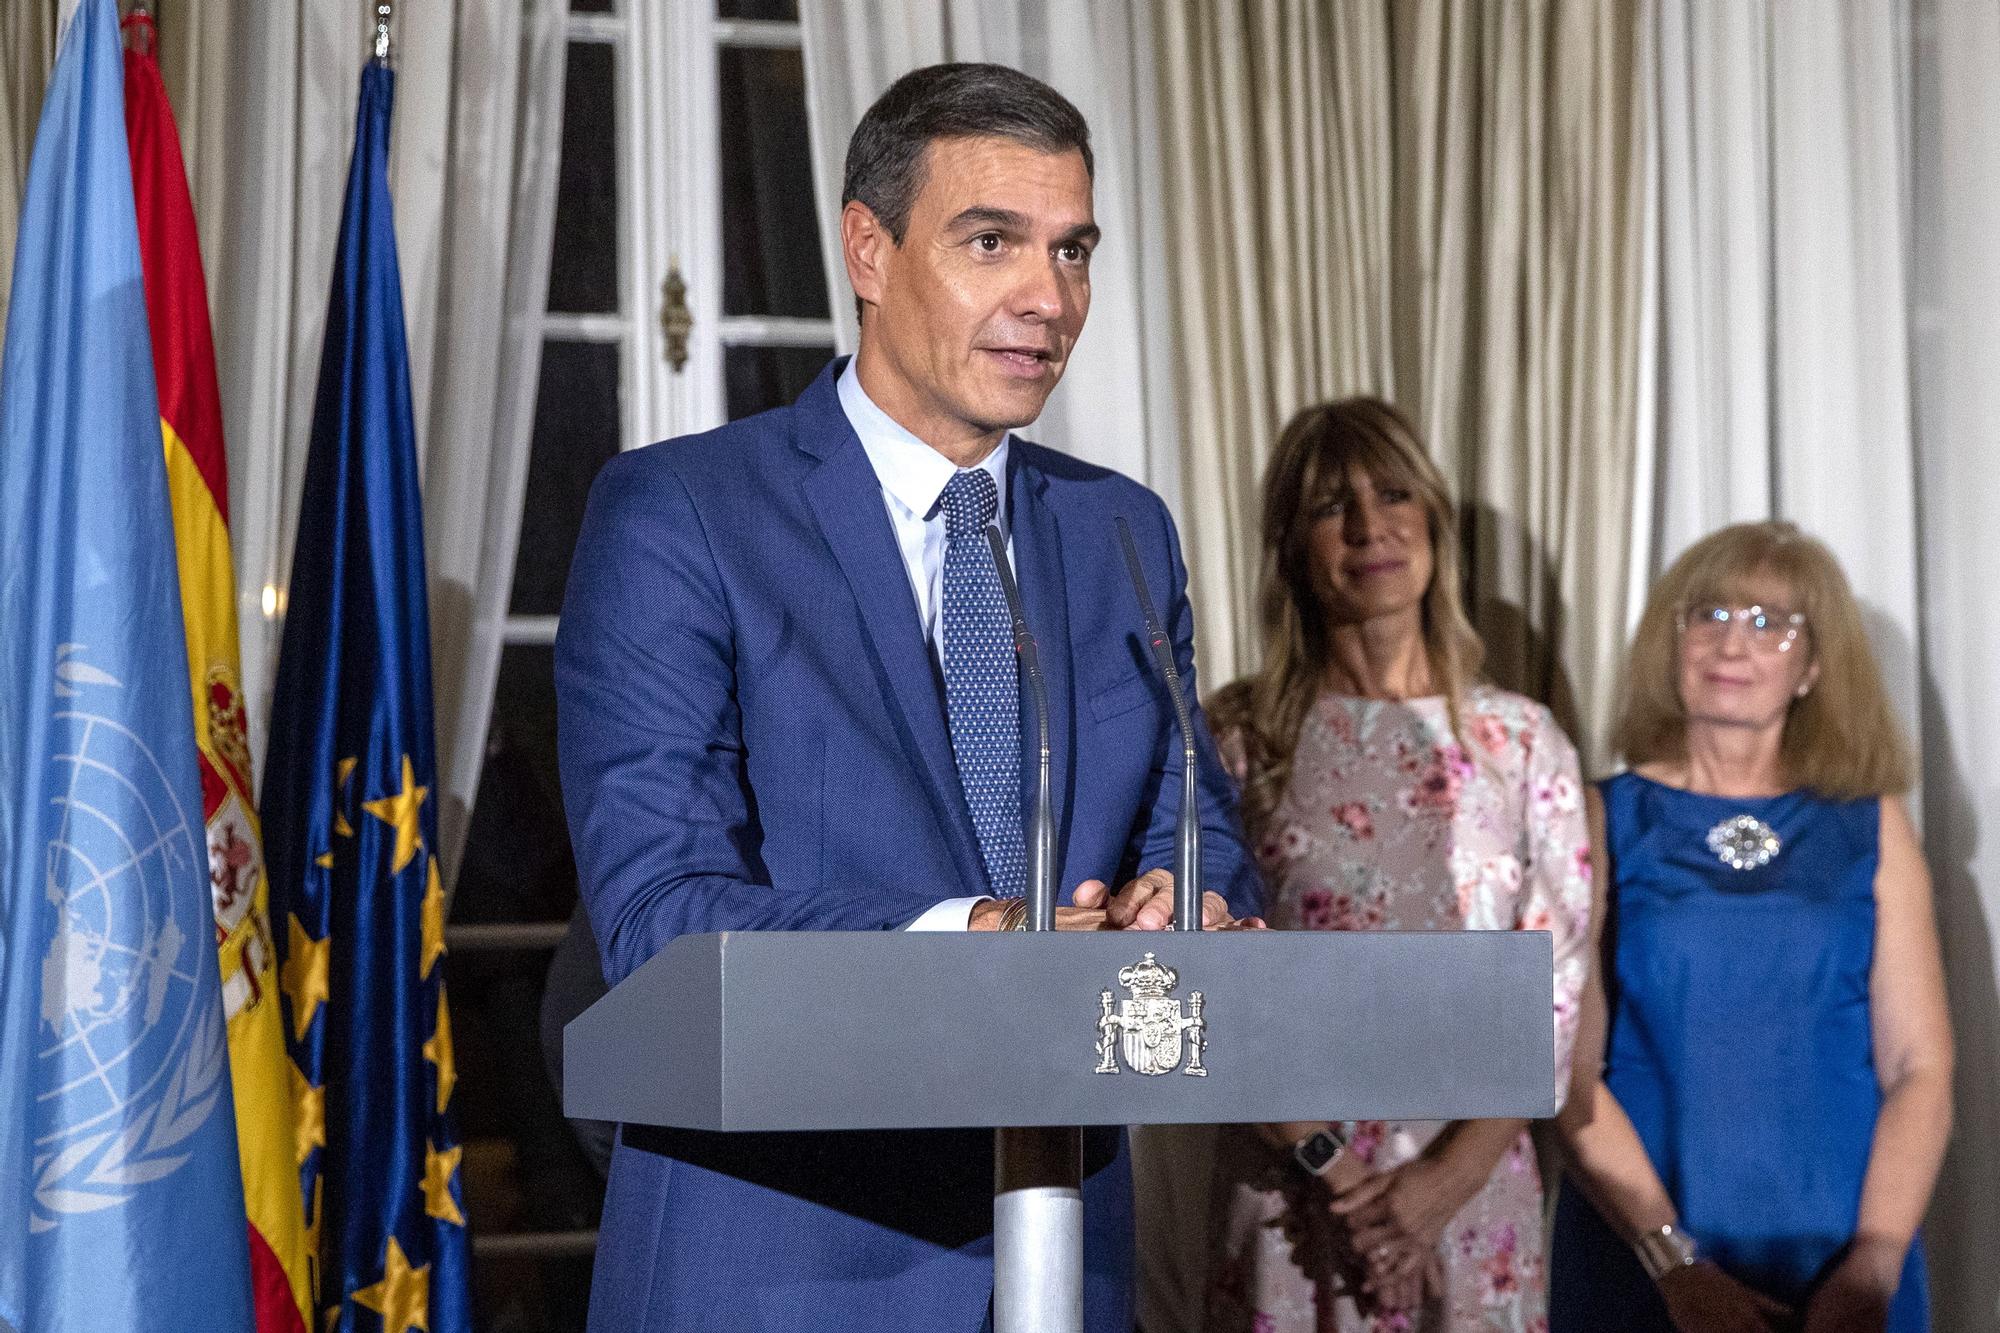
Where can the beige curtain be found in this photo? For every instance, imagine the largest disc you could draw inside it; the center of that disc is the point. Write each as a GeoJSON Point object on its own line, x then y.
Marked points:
{"type": "Point", "coordinates": [1441, 202]}
{"type": "Point", "coordinates": [1524, 195]}
{"type": "Point", "coordinates": [27, 50]}
{"type": "Point", "coordinates": [196, 62]}
{"type": "Point", "coordinates": [1277, 138]}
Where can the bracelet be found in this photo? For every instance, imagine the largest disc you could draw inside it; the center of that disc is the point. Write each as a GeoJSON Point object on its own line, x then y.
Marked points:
{"type": "Point", "coordinates": [1663, 1250]}
{"type": "Point", "coordinates": [1015, 916]}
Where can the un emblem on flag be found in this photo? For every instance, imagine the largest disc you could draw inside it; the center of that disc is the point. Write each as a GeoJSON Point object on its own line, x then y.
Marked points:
{"type": "Point", "coordinates": [129, 1066]}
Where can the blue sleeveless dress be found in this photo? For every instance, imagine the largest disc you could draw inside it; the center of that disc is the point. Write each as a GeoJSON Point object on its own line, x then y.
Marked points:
{"type": "Point", "coordinates": [1739, 1045]}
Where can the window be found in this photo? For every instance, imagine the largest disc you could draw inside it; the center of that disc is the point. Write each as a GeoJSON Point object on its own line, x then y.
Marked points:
{"type": "Point", "coordinates": [686, 288]}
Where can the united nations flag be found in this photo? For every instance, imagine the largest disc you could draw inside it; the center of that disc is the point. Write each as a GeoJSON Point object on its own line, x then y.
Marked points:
{"type": "Point", "coordinates": [121, 1202]}
{"type": "Point", "coordinates": [350, 824]}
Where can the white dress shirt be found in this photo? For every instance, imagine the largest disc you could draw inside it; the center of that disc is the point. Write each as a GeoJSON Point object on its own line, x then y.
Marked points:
{"type": "Point", "coordinates": [913, 477]}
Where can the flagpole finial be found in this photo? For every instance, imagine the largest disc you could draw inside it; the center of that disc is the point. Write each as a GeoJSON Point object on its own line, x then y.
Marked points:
{"type": "Point", "coordinates": [138, 29]}
{"type": "Point", "coordinates": [385, 10]}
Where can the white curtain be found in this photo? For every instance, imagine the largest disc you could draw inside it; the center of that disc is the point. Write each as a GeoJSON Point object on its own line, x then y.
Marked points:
{"type": "Point", "coordinates": [496, 228]}
{"type": "Point", "coordinates": [1115, 406]}
{"type": "Point", "coordinates": [1784, 382]}
{"type": "Point", "coordinates": [270, 90]}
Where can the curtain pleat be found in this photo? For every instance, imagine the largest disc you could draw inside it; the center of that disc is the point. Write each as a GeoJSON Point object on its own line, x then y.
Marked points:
{"type": "Point", "coordinates": [1438, 202]}
{"type": "Point", "coordinates": [1277, 175]}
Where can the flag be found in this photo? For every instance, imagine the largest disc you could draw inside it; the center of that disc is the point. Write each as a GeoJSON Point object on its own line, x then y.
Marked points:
{"type": "Point", "coordinates": [350, 821]}
{"type": "Point", "coordinates": [198, 487]}
{"type": "Point", "coordinates": [121, 1203]}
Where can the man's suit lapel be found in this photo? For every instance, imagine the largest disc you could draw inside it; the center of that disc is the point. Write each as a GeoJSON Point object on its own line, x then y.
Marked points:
{"type": "Point", "coordinates": [846, 499]}
{"type": "Point", "coordinates": [1038, 568]}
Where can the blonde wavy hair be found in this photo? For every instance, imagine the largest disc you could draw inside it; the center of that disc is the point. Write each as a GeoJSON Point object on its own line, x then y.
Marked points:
{"type": "Point", "coordinates": [1841, 740]}
{"type": "Point", "coordinates": [1310, 467]}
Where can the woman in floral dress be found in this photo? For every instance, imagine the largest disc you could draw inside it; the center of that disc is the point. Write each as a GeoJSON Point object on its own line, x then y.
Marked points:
{"type": "Point", "coordinates": [1385, 789]}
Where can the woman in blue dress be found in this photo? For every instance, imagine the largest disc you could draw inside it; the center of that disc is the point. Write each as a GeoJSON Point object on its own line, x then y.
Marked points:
{"type": "Point", "coordinates": [1775, 1092]}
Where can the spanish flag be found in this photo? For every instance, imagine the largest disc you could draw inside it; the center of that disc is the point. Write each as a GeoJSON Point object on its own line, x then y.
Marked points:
{"type": "Point", "coordinates": [270, 1141]}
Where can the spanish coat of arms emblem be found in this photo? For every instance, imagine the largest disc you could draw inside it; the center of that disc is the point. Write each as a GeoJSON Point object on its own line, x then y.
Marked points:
{"type": "Point", "coordinates": [1148, 1028]}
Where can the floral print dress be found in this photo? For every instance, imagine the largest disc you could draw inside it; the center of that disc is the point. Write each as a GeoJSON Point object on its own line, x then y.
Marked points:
{"type": "Point", "coordinates": [1391, 824]}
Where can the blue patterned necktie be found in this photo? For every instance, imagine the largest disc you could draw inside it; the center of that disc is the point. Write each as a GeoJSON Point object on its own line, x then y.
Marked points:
{"type": "Point", "coordinates": [981, 698]}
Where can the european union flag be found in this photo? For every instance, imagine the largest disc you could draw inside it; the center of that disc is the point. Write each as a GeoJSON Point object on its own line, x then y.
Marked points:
{"type": "Point", "coordinates": [350, 825]}
{"type": "Point", "coordinates": [121, 1202]}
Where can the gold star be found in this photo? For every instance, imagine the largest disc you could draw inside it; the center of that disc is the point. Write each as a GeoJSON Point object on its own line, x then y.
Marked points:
{"type": "Point", "coordinates": [438, 1051]}
{"type": "Point", "coordinates": [312, 1226]}
{"type": "Point", "coordinates": [304, 976]}
{"type": "Point", "coordinates": [324, 860]}
{"type": "Point", "coordinates": [400, 812]}
{"type": "Point", "coordinates": [403, 1296]}
{"type": "Point", "coordinates": [433, 921]}
{"type": "Point", "coordinates": [310, 1102]}
{"type": "Point", "coordinates": [438, 1169]}
{"type": "Point", "coordinates": [341, 773]}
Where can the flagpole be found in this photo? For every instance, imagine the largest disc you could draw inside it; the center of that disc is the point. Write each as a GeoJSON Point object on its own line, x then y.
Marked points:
{"type": "Point", "coordinates": [363, 908]}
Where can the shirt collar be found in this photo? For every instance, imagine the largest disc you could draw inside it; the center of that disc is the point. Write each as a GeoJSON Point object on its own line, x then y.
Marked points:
{"type": "Point", "coordinates": [913, 473]}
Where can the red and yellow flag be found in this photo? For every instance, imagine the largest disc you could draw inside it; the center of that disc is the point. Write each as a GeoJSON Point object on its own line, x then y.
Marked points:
{"type": "Point", "coordinates": [270, 1140]}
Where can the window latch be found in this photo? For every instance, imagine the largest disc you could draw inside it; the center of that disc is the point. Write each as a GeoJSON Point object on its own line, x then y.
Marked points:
{"type": "Point", "coordinates": [676, 320]}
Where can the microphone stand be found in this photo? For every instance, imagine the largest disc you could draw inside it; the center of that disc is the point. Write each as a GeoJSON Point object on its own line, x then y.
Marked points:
{"type": "Point", "coordinates": [1038, 1169]}
{"type": "Point", "coordinates": [1042, 824]}
{"type": "Point", "coordinates": [1187, 840]}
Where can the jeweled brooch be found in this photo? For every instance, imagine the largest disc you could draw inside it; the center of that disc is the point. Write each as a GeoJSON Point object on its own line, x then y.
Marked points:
{"type": "Point", "coordinates": [1744, 842]}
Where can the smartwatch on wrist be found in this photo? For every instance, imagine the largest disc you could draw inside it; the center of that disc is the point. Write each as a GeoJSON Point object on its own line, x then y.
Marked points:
{"type": "Point", "coordinates": [1663, 1250]}
{"type": "Point", "coordinates": [1318, 1151]}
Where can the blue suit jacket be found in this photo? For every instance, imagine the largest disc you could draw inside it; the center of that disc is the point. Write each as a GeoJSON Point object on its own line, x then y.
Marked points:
{"type": "Point", "coordinates": [753, 738]}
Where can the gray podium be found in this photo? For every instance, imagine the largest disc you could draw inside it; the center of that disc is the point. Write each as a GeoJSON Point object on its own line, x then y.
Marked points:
{"type": "Point", "coordinates": [768, 1030]}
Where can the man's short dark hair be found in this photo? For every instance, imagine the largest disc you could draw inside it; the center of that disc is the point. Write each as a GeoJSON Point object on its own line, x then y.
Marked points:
{"type": "Point", "coordinates": [886, 156]}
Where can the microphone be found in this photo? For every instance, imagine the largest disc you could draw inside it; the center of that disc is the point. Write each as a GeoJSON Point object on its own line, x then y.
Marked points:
{"type": "Point", "coordinates": [1187, 841]}
{"type": "Point", "coordinates": [1042, 826]}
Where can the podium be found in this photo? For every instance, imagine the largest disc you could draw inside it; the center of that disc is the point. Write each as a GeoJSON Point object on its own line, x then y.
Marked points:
{"type": "Point", "coordinates": [1037, 1033]}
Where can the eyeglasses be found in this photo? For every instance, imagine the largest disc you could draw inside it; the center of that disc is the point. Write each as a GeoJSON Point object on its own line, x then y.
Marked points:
{"type": "Point", "coordinates": [1771, 631]}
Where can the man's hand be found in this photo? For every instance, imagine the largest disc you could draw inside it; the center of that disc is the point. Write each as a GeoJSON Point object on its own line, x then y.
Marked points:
{"type": "Point", "coordinates": [988, 913]}
{"type": "Point", "coordinates": [1147, 903]}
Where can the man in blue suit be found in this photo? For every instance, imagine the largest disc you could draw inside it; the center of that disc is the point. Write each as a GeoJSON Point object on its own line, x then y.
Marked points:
{"type": "Point", "coordinates": [788, 701]}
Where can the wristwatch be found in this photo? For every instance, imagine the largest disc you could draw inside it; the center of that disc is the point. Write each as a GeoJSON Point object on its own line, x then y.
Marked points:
{"type": "Point", "coordinates": [1663, 1250]}
{"type": "Point", "coordinates": [1318, 1151]}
